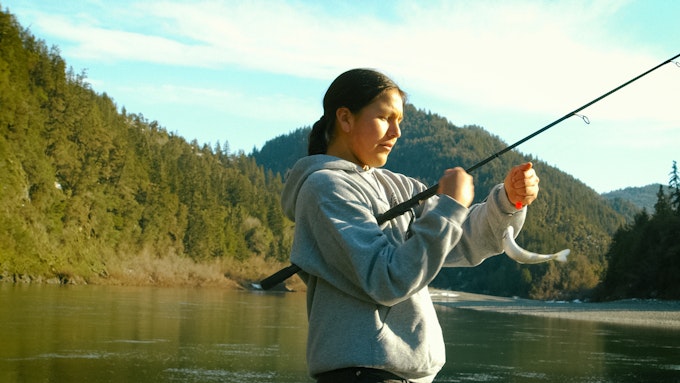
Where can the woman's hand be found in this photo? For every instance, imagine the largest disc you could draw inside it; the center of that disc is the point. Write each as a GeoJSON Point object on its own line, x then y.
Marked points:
{"type": "Point", "coordinates": [457, 184]}
{"type": "Point", "coordinates": [521, 185]}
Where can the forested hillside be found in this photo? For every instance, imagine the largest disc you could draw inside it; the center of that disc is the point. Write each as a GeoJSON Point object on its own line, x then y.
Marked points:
{"type": "Point", "coordinates": [88, 191]}
{"type": "Point", "coordinates": [92, 193]}
{"type": "Point", "coordinates": [643, 261]}
{"type": "Point", "coordinates": [568, 214]}
{"type": "Point", "coordinates": [643, 197]}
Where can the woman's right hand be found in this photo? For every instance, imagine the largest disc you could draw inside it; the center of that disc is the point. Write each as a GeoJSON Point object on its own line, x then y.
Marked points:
{"type": "Point", "coordinates": [457, 184]}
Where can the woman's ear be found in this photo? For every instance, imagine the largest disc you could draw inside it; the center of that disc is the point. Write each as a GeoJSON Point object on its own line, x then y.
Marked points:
{"type": "Point", "coordinates": [345, 118]}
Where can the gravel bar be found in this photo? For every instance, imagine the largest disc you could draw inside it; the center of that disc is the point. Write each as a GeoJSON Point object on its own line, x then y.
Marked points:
{"type": "Point", "coordinates": [632, 312]}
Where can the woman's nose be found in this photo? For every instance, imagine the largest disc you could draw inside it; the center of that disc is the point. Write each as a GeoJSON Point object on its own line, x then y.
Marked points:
{"type": "Point", "coordinates": [395, 130]}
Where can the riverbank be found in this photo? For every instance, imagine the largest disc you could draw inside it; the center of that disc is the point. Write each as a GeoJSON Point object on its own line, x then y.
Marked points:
{"type": "Point", "coordinates": [171, 270]}
{"type": "Point", "coordinates": [146, 270]}
{"type": "Point", "coordinates": [631, 312]}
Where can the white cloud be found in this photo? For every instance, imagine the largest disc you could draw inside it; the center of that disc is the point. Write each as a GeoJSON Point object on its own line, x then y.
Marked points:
{"type": "Point", "coordinates": [531, 56]}
{"type": "Point", "coordinates": [516, 55]}
{"type": "Point", "coordinates": [279, 107]}
{"type": "Point", "coordinates": [522, 58]}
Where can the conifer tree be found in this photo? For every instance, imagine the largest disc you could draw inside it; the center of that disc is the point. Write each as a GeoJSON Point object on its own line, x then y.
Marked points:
{"type": "Point", "coordinates": [662, 206]}
{"type": "Point", "coordinates": [674, 184]}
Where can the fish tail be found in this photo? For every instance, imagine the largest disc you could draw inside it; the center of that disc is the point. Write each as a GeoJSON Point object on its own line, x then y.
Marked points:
{"type": "Point", "coordinates": [562, 255]}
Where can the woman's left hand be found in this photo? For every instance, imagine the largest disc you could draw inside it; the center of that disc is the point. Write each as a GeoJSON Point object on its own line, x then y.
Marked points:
{"type": "Point", "coordinates": [521, 185]}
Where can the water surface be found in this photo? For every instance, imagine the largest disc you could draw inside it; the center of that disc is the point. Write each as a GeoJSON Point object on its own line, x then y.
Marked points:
{"type": "Point", "coordinates": [143, 334]}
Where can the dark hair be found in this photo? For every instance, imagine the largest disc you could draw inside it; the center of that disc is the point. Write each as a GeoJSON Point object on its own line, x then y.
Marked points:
{"type": "Point", "coordinates": [353, 90]}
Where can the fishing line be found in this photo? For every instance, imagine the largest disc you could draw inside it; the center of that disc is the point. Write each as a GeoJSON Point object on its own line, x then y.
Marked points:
{"type": "Point", "coordinates": [405, 206]}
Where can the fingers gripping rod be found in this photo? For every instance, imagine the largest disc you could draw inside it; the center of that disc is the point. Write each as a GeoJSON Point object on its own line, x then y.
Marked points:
{"type": "Point", "coordinates": [405, 206]}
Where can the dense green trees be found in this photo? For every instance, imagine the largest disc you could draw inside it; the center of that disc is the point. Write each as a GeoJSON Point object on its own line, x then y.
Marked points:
{"type": "Point", "coordinates": [83, 185]}
{"type": "Point", "coordinates": [615, 253]}
{"type": "Point", "coordinates": [568, 214]}
{"type": "Point", "coordinates": [644, 258]}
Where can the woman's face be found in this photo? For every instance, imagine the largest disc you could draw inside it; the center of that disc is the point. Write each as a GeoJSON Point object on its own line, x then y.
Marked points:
{"type": "Point", "coordinates": [372, 132]}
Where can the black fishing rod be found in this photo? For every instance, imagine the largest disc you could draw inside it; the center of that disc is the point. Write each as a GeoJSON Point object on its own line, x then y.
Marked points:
{"type": "Point", "coordinates": [405, 206]}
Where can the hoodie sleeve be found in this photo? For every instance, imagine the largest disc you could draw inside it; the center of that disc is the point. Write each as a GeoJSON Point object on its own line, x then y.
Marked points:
{"type": "Point", "coordinates": [483, 230]}
{"type": "Point", "coordinates": [341, 242]}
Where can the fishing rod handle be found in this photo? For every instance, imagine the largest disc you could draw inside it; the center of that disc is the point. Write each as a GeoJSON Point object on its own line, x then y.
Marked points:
{"type": "Point", "coordinates": [288, 271]}
{"type": "Point", "coordinates": [394, 212]}
{"type": "Point", "coordinates": [279, 276]}
{"type": "Point", "coordinates": [407, 205]}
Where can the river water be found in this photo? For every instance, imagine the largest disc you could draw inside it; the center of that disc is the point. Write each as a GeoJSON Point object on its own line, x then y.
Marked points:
{"type": "Point", "coordinates": [143, 334]}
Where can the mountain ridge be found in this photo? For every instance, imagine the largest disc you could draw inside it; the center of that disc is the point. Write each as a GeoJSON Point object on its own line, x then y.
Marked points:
{"type": "Point", "coordinates": [567, 213]}
{"type": "Point", "coordinates": [643, 197]}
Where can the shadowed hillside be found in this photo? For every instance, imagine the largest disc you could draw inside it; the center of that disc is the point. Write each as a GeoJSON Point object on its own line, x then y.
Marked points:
{"type": "Point", "coordinates": [568, 214]}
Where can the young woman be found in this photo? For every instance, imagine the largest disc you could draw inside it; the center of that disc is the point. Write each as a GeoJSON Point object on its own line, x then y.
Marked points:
{"type": "Point", "coordinates": [370, 315]}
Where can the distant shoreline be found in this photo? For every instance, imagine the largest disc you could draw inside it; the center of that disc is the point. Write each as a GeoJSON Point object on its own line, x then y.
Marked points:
{"type": "Point", "coordinates": [630, 312]}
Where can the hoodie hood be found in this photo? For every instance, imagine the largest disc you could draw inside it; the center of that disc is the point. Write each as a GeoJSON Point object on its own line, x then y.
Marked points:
{"type": "Point", "coordinates": [303, 169]}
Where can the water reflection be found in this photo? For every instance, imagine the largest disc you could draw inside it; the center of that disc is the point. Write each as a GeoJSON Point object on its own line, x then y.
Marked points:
{"type": "Point", "coordinates": [492, 347]}
{"type": "Point", "coordinates": [122, 334]}
{"type": "Point", "coordinates": [114, 334]}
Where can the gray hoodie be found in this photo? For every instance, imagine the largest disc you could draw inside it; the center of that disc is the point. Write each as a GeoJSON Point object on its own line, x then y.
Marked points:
{"type": "Point", "coordinates": [367, 299]}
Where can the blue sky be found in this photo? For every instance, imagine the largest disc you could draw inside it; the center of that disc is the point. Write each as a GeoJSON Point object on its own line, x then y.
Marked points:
{"type": "Point", "coordinates": [244, 72]}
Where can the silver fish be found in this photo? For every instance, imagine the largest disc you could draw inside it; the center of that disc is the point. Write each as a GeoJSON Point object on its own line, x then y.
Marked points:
{"type": "Point", "coordinates": [520, 255]}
